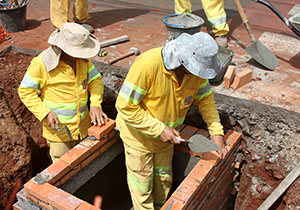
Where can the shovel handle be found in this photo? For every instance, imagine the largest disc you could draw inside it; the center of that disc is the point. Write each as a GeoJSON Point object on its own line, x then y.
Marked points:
{"type": "Point", "coordinates": [244, 18]}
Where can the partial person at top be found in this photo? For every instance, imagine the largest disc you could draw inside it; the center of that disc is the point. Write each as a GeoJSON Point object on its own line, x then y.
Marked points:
{"type": "Point", "coordinates": [215, 13]}
{"type": "Point", "coordinates": [59, 13]}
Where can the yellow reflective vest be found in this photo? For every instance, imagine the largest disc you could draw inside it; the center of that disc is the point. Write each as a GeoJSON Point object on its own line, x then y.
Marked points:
{"type": "Point", "coordinates": [151, 98]}
{"type": "Point", "coordinates": [64, 93]}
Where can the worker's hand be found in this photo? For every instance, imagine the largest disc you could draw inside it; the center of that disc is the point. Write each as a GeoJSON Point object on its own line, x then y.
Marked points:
{"type": "Point", "coordinates": [218, 140]}
{"type": "Point", "coordinates": [52, 120]}
{"type": "Point", "coordinates": [169, 134]}
{"type": "Point", "coordinates": [98, 117]}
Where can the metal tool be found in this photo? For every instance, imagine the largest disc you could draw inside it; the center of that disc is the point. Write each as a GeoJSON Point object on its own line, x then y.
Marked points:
{"type": "Point", "coordinates": [288, 22]}
{"type": "Point", "coordinates": [64, 127]}
{"type": "Point", "coordinates": [256, 49]}
{"type": "Point", "coordinates": [200, 144]}
{"type": "Point", "coordinates": [132, 51]}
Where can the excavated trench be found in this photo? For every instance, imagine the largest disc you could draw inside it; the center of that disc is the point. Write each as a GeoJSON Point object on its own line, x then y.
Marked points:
{"type": "Point", "coordinates": [269, 150]}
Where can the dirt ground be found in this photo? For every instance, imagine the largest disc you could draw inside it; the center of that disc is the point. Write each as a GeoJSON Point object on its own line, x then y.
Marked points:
{"type": "Point", "coordinates": [23, 149]}
{"type": "Point", "coordinates": [271, 144]}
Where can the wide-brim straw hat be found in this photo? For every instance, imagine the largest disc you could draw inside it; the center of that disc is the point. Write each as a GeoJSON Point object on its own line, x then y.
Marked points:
{"type": "Point", "coordinates": [198, 53]}
{"type": "Point", "coordinates": [75, 40]}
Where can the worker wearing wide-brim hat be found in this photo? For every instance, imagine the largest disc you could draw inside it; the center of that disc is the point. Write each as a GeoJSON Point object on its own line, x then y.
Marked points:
{"type": "Point", "coordinates": [156, 95]}
{"type": "Point", "coordinates": [57, 84]}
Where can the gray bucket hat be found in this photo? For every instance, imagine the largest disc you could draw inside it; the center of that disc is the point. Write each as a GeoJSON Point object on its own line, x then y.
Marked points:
{"type": "Point", "coordinates": [198, 53]}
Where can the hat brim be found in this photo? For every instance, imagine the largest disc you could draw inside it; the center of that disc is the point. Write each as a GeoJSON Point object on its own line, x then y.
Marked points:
{"type": "Point", "coordinates": [91, 48]}
{"type": "Point", "coordinates": [186, 58]}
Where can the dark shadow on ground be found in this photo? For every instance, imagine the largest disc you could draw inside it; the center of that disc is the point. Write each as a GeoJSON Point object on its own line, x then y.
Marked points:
{"type": "Point", "coordinates": [108, 17]}
{"type": "Point", "coordinates": [32, 24]}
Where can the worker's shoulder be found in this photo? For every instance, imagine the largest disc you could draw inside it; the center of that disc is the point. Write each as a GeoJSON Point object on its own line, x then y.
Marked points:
{"type": "Point", "coordinates": [150, 56]}
{"type": "Point", "coordinates": [37, 60]}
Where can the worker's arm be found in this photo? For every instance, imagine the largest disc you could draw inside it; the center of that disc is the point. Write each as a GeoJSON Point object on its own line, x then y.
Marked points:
{"type": "Point", "coordinates": [129, 106]}
{"type": "Point", "coordinates": [96, 89]}
{"type": "Point", "coordinates": [28, 90]}
{"type": "Point", "coordinates": [208, 110]}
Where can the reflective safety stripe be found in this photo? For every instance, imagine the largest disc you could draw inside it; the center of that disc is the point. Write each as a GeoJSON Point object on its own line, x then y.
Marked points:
{"type": "Point", "coordinates": [204, 90]}
{"type": "Point", "coordinates": [175, 124]}
{"type": "Point", "coordinates": [132, 93]}
{"type": "Point", "coordinates": [142, 185]}
{"type": "Point", "coordinates": [93, 74]}
{"type": "Point", "coordinates": [29, 82]}
{"type": "Point", "coordinates": [67, 112]}
{"type": "Point", "coordinates": [218, 21]}
{"type": "Point", "coordinates": [163, 171]}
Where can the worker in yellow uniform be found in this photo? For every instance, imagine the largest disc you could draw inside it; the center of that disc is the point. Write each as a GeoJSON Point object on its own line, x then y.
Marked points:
{"type": "Point", "coordinates": [59, 13]}
{"type": "Point", "coordinates": [154, 99]}
{"type": "Point", "coordinates": [216, 16]}
{"type": "Point", "coordinates": [57, 84]}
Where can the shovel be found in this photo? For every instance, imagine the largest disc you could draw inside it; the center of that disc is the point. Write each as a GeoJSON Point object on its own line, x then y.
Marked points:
{"type": "Point", "coordinates": [200, 144]}
{"type": "Point", "coordinates": [256, 49]}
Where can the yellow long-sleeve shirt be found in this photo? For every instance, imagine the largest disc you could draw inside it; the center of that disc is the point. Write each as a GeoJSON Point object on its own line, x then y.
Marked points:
{"type": "Point", "coordinates": [151, 98]}
{"type": "Point", "coordinates": [65, 93]}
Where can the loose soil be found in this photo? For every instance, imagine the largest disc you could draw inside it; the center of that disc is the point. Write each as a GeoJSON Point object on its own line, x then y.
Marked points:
{"type": "Point", "coordinates": [24, 151]}
{"type": "Point", "coordinates": [270, 150]}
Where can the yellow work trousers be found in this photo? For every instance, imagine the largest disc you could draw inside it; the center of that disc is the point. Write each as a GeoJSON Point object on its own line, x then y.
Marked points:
{"type": "Point", "coordinates": [149, 177]}
{"type": "Point", "coordinates": [214, 10]}
{"type": "Point", "coordinates": [58, 149]}
{"type": "Point", "coordinates": [59, 11]}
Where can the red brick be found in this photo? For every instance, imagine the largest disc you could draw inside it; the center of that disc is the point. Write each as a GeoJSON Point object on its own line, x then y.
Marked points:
{"type": "Point", "coordinates": [108, 144]}
{"type": "Point", "coordinates": [232, 137]}
{"type": "Point", "coordinates": [203, 132]}
{"type": "Point", "coordinates": [173, 204]}
{"type": "Point", "coordinates": [92, 144]}
{"type": "Point", "coordinates": [100, 131]}
{"type": "Point", "coordinates": [40, 191]}
{"type": "Point", "coordinates": [32, 198]}
{"type": "Point", "coordinates": [57, 170]}
{"type": "Point", "coordinates": [186, 189]}
{"type": "Point", "coordinates": [69, 175]}
{"type": "Point", "coordinates": [201, 170]}
{"type": "Point", "coordinates": [242, 78]}
{"type": "Point", "coordinates": [87, 206]}
{"type": "Point", "coordinates": [187, 132]}
{"type": "Point", "coordinates": [75, 155]}
{"type": "Point", "coordinates": [181, 127]}
{"type": "Point", "coordinates": [228, 77]}
{"type": "Point", "coordinates": [63, 200]}
{"type": "Point", "coordinates": [89, 159]}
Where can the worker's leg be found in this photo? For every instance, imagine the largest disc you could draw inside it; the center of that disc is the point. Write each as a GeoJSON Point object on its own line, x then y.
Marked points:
{"type": "Point", "coordinates": [216, 15]}
{"type": "Point", "coordinates": [183, 6]}
{"type": "Point", "coordinates": [139, 177]}
{"type": "Point", "coordinates": [80, 11]}
{"type": "Point", "coordinates": [58, 149]}
{"type": "Point", "coordinates": [59, 12]}
{"type": "Point", "coordinates": [163, 177]}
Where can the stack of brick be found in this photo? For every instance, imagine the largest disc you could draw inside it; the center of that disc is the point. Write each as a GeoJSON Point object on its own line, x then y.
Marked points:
{"type": "Point", "coordinates": [43, 190]}
{"type": "Point", "coordinates": [210, 183]}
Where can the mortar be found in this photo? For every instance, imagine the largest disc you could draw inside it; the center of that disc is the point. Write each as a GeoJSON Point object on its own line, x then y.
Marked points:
{"type": "Point", "coordinates": [178, 23]}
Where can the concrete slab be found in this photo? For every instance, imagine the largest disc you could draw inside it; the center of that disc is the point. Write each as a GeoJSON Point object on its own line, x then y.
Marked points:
{"type": "Point", "coordinates": [142, 22]}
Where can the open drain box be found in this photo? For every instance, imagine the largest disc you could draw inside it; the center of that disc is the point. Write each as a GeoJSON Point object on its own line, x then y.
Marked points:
{"type": "Point", "coordinates": [206, 182]}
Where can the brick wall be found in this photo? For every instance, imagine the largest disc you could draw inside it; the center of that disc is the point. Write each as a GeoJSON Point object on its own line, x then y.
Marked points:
{"type": "Point", "coordinates": [207, 186]}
